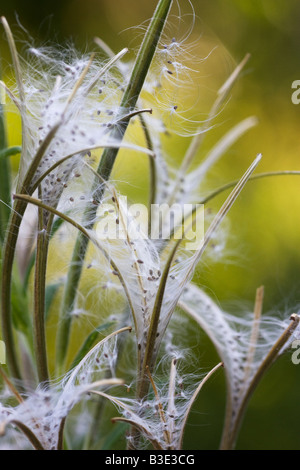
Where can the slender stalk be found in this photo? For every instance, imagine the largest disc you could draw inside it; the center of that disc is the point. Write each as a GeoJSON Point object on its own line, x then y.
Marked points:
{"type": "Point", "coordinates": [137, 79]}
{"type": "Point", "coordinates": [11, 95]}
{"type": "Point", "coordinates": [171, 410]}
{"type": "Point", "coordinates": [149, 354]}
{"type": "Point", "coordinates": [69, 299]}
{"type": "Point", "coordinates": [230, 185]}
{"type": "Point", "coordinates": [18, 75]}
{"type": "Point", "coordinates": [53, 211]}
{"type": "Point", "coordinates": [60, 441]}
{"type": "Point", "coordinates": [93, 433]}
{"type": "Point", "coordinates": [152, 172]}
{"type": "Point", "coordinates": [152, 167]}
{"type": "Point", "coordinates": [247, 369]}
{"type": "Point", "coordinates": [8, 257]}
{"type": "Point", "coordinates": [161, 412]}
{"type": "Point", "coordinates": [89, 354]}
{"type": "Point", "coordinates": [149, 359]}
{"type": "Point", "coordinates": [25, 185]}
{"type": "Point", "coordinates": [9, 252]}
{"type": "Point", "coordinates": [87, 149]}
{"type": "Point", "coordinates": [8, 152]}
{"type": "Point", "coordinates": [134, 422]}
{"type": "Point", "coordinates": [39, 334]}
{"type": "Point", "coordinates": [152, 332]}
{"type": "Point", "coordinates": [129, 101]}
{"type": "Point", "coordinates": [192, 400]}
{"type": "Point", "coordinates": [254, 332]}
{"type": "Point", "coordinates": [14, 55]}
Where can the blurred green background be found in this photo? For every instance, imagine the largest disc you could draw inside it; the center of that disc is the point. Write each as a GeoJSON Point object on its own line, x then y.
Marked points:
{"type": "Point", "coordinates": [264, 231]}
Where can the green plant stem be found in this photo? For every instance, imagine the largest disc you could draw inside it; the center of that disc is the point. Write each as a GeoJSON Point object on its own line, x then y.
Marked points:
{"type": "Point", "coordinates": [149, 356]}
{"type": "Point", "coordinates": [193, 399]}
{"type": "Point", "coordinates": [36, 443]}
{"type": "Point", "coordinates": [129, 100]}
{"type": "Point", "coordinates": [198, 138]}
{"type": "Point", "coordinates": [152, 166]}
{"type": "Point", "coordinates": [60, 443]}
{"type": "Point", "coordinates": [231, 184]}
{"type": "Point", "coordinates": [149, 359]}
{"type": "Point", "coordinates": [93, 434]}
{"type": "Point", "coordinates": [230, 431]}
{"type": "Point", "coordinates": [10, 242]}
{"type": "Point", "coordinates": [137, 80]}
